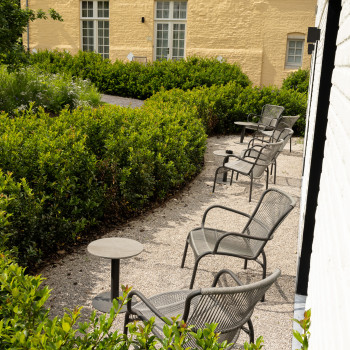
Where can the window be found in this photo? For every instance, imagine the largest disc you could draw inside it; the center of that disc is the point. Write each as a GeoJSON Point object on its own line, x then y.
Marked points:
{"type": "Point", "coordinates": [295, 50]}
{"type": "Point", "coordinates": [95, 27]}
{"type": "Point", "coordinates": [170, 29]}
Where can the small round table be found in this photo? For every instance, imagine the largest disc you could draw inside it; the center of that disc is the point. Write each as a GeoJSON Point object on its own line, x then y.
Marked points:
{"type": "Point", "coordinates": [114, 248]}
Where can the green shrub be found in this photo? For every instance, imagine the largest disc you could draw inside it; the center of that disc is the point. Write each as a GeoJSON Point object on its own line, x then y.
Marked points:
{"type": "Point", "coordinates": [20, 89]}
{"type": "Point", "coordinates": [298, 81]}
{"type": "Point", "coordinates": [220, 106]}
{"type": "Point", "coordinates": [86, 163]}
{"type": "Point", "coordinates": [137, 80]}
{"type": "Point", "coordinates": [25, 323]}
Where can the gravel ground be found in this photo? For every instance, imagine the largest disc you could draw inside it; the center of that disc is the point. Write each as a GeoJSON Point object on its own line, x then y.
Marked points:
{"type": "Point", "coordinates": [78, 277]}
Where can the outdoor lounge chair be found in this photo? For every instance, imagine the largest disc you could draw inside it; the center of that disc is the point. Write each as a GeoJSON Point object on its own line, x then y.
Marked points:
{"type": "Point", "coordinates": [286, 121]}
{"type": "Point", "coordinates": [271, 210]}
{"type": "Point", "coordinates": [268, 119]}
{"type": "Point", "coordinates": [253, 163]}
{"type": "Point", "coordinates": [230, 307]}
{"type": "Point", "coordinates": [277, 135]}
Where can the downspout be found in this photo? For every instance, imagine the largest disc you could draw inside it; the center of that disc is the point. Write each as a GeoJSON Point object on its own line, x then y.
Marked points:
{"type": "Point", "coordinates": [27, 6]}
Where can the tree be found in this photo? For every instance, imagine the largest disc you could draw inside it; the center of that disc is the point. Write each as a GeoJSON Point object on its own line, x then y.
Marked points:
{"type": "Point", "coordinates": [13, 23]}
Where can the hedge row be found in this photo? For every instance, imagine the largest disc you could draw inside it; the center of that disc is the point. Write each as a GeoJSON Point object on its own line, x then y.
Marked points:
{"type": "Point", "coordinates": [220, 106]}
{"type": "Point", "coordinates": [83, 163]}
{"type": "Point", "coordinates": [138, 80]}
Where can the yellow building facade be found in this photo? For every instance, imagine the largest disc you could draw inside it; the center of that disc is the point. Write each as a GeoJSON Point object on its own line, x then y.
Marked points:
{"type": "Point", "coordinates": [267, 38]}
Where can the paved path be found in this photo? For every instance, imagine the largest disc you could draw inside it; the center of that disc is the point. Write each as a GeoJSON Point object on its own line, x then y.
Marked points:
{"type": "Point", "coordinates": [121, 101]}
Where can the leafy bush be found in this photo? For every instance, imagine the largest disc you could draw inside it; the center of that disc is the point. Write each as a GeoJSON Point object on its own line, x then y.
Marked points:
{"type": "Point", "coordinates": [220, 106]}
{"type": "Point", "coordinates": [52, 91]}
{"type": "Point", "coordinates": [25, 323]}
{"type": "Point", "coordinates": [298, 81]}
{"type": "Point", "coordinates": [85, 163]}
{"type": "Point", "coordinates": [137, 80]}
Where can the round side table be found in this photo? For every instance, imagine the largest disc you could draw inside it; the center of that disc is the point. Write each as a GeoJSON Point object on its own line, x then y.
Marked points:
{"type": "Point", "coordinates": [114, 248]}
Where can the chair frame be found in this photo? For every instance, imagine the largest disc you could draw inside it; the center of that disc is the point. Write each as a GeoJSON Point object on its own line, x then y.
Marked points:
{"type": "Point", "coordinates": [261, 125]}
{"type": "Point", "coordinates": [132, 312]}
{"type": "Point", "coordinates": [215, 251]}
{"type": "Point", "coordinates": [275, 136]}
{"type": "Point", "coordinates": [256, 161]}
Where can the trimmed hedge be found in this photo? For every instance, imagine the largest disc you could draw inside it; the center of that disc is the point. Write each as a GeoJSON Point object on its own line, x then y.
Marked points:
{"type": "Point", "coordinates": [84, 163]}
{"type": "Point", "coordinates": [220, 106]}
{"type": "Point", "coordinates": [298, 81]}
{"type": "Point", "coordinates": [138, 80]}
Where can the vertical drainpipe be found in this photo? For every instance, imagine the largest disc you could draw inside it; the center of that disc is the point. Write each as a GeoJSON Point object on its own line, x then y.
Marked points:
{"type": "Point", "coordinates": [27, 6]}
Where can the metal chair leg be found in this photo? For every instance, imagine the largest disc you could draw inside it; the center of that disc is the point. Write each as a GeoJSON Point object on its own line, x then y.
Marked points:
{"type": "Point", "coordinates": [194, 273]}
{"type": "Point", "coordinates": [251, 187]}
{"type": "Point", "coordinates": [184, 255]}
{"type": "Point", "coordinates": [126, 321]}
{"type": "Point", "coordinates": [267, 178]}
{"type": "Point", "coordinates": [245, 264]}
{"type": "Point", "coordinates": [251, 331]}
{"type": "Point", "coordinates": [264, 270]}
{"type": "Point", "coordinates": [232, 177]}
{"type": "Point", "coordinates": [274, 175]}
{"type": "Point", "coordinates": [216, 175]}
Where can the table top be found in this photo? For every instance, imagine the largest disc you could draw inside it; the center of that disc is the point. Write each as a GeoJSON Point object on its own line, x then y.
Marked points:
{"type": "Point", "coordinates": [222, 153]}
{"type": "Point", "coordinates": [245, 123]}
{"type": "Point", "coordinates": [115, 248]}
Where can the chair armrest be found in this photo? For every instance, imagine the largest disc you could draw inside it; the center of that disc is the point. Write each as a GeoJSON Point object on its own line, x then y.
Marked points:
{"type": "Point", "coordinates": [147, 302]}
{"type": "Point", "coordinates": [224, 208]}
{"type": "Point", "coordinates": [236, 234]}
{"type": "Point", "coordinates": [229, 272]}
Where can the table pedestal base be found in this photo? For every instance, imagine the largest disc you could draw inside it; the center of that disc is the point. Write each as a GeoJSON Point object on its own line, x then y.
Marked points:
{"type": "Point", "coordinates": [102, 302]}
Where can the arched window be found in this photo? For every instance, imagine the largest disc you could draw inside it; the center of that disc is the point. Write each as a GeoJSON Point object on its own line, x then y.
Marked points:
{"type": "Point", "coordinates": [295, 50]}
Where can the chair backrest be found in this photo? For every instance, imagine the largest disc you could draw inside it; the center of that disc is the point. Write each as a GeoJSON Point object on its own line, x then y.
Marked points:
{"type": "Point", "coordinates": [282, 135]}
{"type": "Point", "coordinates": [230, 307]}
{"type": "Point", "coordinates": [270, 115]}
{"type": "Point", "coordinates": [274, 205]}
{"type": "Point", "coordinates": [287, 121]}
{"type": "Point", "coordinates": [263, 157]}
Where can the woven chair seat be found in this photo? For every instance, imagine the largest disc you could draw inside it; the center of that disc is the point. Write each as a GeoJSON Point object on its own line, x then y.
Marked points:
{"type": "Point", "coordinates": [204, 240]}
{"type": "Point", "coordinates": [231, 307]}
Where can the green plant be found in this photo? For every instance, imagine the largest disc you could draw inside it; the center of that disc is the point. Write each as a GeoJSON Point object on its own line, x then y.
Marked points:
{"type": "Point", "coordinates": [259, 344]}
{"type": "Point", "coordinates": [29, 87]}
{"type": "Point", "coordinates": [298, 81]}
{"type": "Point", "coordinates": [14, 21]}
{"type": "Point", "coordinates": [305, 324]}
{"type": "Point", "coordinates": [138, 80]}
{"type": "Point", "coordinates": [25, 323]}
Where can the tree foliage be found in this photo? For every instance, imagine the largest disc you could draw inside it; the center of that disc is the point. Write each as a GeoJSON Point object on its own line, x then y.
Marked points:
{"type": "Point", "coordinates": [13, 23]}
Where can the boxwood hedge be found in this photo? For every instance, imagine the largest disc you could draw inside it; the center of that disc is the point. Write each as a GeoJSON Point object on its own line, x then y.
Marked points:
{"type": "Point", "coordinates": [138, 80]}
{"type": "Point", "coordinates": [83, 163]}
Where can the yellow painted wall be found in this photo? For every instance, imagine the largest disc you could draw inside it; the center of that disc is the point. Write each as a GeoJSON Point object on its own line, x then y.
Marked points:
{"type": "Point", "coordinates": [252, 33]}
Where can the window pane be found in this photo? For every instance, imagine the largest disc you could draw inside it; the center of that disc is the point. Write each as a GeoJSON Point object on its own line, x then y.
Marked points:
{"type": "Point", "coordinates": [87, 9]}
{"type": "Point", "coordinates": [103, 9]}
{"type": "Point", "coordinates": [180, 8]}
{"type": "Point", "coordinates": [299, 44]}
{"type": "Point", "coordinates": [163, 8]}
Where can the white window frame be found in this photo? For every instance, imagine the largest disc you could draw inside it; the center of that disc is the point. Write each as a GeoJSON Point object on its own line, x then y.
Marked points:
{"type": "Point", "coordinates": [95, 19]}
{"type": "Point", "coordinates": [296, 38]}
{"type": "Point", "coordinates": [170, 21]}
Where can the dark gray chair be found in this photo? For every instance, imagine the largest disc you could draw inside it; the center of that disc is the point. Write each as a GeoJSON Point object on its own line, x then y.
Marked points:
{"type": "Point", "coordinates": [286, 121]}
{"type": "Point", "coordinates": [267, 120]}
{"type": "Point", "coordinates": [253, 163]}
{"type": "Point", "coordinates": [277, 135]}
{"type": "Point", "coordinates": [272, 208]}
{"type": "Point", "coordinates": [230, 307]}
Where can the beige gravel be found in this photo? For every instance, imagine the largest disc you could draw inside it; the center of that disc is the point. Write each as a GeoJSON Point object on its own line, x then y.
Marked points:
{"type": "Point", "coordinates": [78, 277]}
